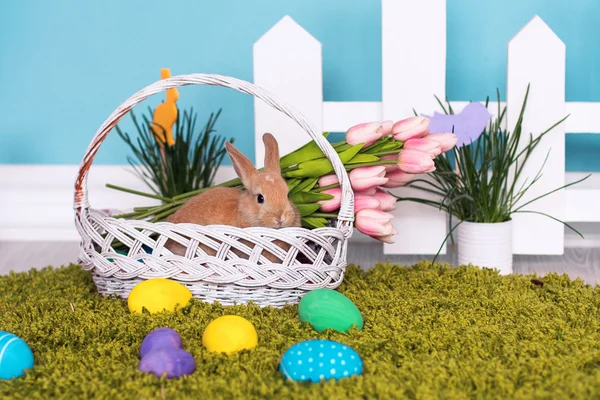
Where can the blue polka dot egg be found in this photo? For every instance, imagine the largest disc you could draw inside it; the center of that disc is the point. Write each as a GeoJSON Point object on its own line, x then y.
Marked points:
{"type": "Point", "coordinates": [314, 360]}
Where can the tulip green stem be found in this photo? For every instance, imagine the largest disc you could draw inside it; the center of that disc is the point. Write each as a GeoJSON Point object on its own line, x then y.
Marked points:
{"type": "Point", "coordinates": [386, 153]}
{"type": "Point", "coordinates": [324, 215]}
{"type": "Point", "coordinates": [230, 183]}
{"type": "Point", "coordinates": [128, 215]}
{"type": "Point", "coordinates": [156, 210]}
{"type": "Point", "coordinates": [322, 188]}
{"type": "Point", "coordinates": [369, 164]}
{"type": "Point", "coordinates": [160, 216]}
{"type": "Point", "coordinates": [152, 196]}
{"type": "Point", "coordinates": [190, 194]}
{"type": "Point", "coordinates": [142, 209]}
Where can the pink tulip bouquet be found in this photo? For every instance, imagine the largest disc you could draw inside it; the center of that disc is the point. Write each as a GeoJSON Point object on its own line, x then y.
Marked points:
{"type": "Point", "coordinates": [377, 155]}
{"type": "Point", "coordinates": [390, 155]}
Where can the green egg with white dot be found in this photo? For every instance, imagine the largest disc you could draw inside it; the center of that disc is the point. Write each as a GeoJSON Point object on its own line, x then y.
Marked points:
{"type": "Point", "coordinates": [317, 360]}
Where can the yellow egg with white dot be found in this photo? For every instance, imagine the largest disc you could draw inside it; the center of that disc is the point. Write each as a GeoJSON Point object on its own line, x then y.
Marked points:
{"type": "Point", "coordinates": [229, 334]}
{"type": "Point", "coordinates": [157, 295]}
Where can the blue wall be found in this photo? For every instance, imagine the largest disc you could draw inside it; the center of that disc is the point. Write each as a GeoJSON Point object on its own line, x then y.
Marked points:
{"type": "Point", "coordinates": [66, 64]}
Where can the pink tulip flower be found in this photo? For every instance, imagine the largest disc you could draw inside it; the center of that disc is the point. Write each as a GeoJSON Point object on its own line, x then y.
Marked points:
{"type": "Point", "coordinates": [368, 192]}
{"type": "Point", "coordinates": [327, 180]}
{"type": "Point", "coordinates": [410, 128]}
{"type": "Point", "coordinates": [334, 203]}
{"type": "Point", "coordinates": [376, 224]}
{"type": "Point", "coordinates": [366, 133]}
{"type": "Point", "coordinates": [387, 202]}
{"type": "Point", "coordinates": [398, 179]}
{"type": "Point", "coordinates": [365, 178]}
{"type": "Point", "coordinates": [390, 167]}
{"type": "Point", "coordinates": [386, 127]}
{"type": "Point", "coordinates": [415, 162]}
{"type": "Point", "coordinates": [362, 201]}
{"type": "Point", "coordinates": [388, 238]}
{"type": "Point", "coordinates": [429, 146]}
{"type": "Point", "coordinates": [446, 140]}
{"type": "Point", "coordinates": [332, 179]}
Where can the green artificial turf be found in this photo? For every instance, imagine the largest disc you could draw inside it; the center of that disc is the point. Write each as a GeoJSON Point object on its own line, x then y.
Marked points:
{"type": "Point", "coordinates": [429, 332]}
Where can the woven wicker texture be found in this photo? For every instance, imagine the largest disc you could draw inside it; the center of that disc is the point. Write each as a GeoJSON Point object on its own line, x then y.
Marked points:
{"type": "Point", "coordinates": [239, 272]}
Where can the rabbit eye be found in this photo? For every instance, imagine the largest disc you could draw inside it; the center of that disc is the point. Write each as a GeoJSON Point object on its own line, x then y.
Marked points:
{"type": "Point", "coordinates": [260, 198]}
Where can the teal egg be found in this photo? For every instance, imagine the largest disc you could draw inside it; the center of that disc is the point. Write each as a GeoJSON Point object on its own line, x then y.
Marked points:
{"type": "Point", "coordinates": [15, 356]}
{"type": "Point", "coordinates": [329, 309]}
{"type": "Point", "coordinates": [125, 251]}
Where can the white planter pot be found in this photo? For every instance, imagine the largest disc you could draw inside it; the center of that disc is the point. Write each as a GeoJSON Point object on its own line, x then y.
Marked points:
{"type": "Point", "coordinates": [486, 245]}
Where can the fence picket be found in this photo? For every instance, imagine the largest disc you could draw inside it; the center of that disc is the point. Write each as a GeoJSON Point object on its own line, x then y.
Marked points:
{"type": "Point", "coordinates": [413, 71]}
{"type": "Point", "coordinates": [536, 56]}
{"type": "Point", "coordinates": [288, 63]}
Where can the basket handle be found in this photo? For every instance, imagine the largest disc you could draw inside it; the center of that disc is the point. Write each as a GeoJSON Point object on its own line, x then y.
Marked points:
{"type": "Point", "coordinates": [81, 202]}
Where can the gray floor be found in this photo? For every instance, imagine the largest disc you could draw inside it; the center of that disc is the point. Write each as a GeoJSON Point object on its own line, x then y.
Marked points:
{"type": "Point", "coordinates": [581, 263]}
{"type": "Point", "coordinates": [22, 256]}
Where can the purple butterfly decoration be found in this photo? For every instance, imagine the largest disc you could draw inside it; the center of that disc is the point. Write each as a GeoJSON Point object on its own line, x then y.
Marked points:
{"type": "Point", "coordinates": [467, 125]}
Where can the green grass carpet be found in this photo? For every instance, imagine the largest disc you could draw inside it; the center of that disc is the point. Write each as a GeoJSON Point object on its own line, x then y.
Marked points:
{"type": "Point", "coordinates": [430, 332]}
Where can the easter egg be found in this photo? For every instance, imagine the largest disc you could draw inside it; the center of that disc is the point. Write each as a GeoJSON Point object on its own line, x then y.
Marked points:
{"type": "Point", "coordinates": [15, 356]}
{"type": "Point", "coordinates": [329, 309]}
{"type": "Point", "coordinates": [160, 338]}
{"type": "Point", "coordinates": [122, 252]}
{"type": "Point", "coordinates": [174, 362]}
{"type": "Point", "coordinates": [157, 295]}
{"type": "Point", "coordinates": [125, 252]}
{"type": "Point", "coordinates": [228, 334]}
{"type": "Point", "coordinates": [314, 360]}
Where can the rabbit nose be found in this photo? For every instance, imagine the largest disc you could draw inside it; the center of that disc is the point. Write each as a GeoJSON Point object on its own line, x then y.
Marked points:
{"type": "Point", "coordinates": [281, 220]}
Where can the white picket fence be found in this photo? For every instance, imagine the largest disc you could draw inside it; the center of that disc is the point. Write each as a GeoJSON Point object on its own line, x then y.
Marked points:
{"type": "Point", "coordinates": [288, 61]}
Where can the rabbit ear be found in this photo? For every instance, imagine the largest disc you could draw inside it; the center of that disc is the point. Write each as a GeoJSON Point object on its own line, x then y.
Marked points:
{"type": "Point", "coordinates": [242, 165]}
{"type": "Point", "coordinates": [271, 154]}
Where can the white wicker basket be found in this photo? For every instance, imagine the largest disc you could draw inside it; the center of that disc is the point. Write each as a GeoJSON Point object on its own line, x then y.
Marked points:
{"type": "Point", "coordinates": [315, 258]}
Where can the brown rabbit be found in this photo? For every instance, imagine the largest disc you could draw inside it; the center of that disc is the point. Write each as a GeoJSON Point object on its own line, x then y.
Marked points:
{"type": "Point", "coordinates": [264, 203]}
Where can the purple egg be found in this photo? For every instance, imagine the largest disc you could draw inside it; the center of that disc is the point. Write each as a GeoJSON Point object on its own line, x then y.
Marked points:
{"type": "Point", "coordinates": [160, 338]}
{"type": "Point", "coordinates": [174, 362]}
